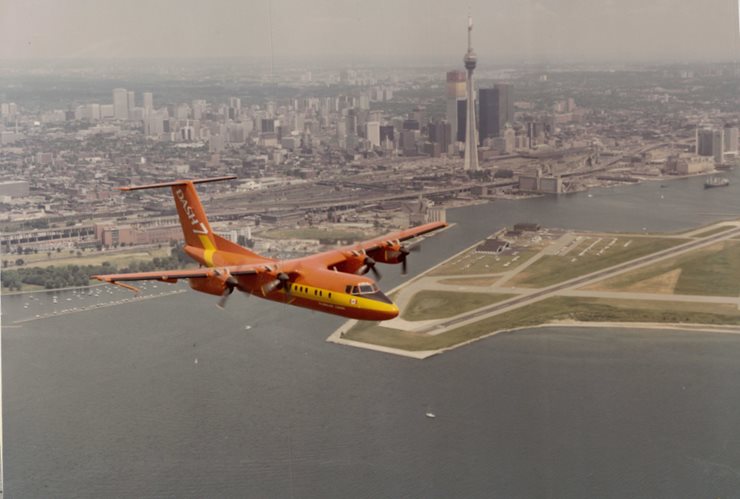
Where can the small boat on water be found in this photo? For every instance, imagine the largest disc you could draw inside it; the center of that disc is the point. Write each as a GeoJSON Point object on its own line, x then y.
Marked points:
{"type": "Point", "coordinates": [431, 415]}
{"type": "Point", "coordinates": [715, 181]}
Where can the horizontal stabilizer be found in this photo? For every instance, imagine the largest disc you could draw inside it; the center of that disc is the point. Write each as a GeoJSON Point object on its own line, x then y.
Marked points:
{"type": "Point", "coordinates": [176, 182]}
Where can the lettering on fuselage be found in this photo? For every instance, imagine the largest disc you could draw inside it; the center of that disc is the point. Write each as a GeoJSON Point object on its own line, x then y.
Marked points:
{"type": "Point", "coordinates": [198, 226]}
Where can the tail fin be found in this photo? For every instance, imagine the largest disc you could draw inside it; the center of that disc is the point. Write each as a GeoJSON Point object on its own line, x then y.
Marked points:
{"type": "Point", "coordinates": [195, 227]}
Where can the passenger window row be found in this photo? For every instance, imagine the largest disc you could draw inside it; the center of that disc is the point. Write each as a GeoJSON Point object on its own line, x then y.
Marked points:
{"type": "Point", "coordinates": [303, 289]}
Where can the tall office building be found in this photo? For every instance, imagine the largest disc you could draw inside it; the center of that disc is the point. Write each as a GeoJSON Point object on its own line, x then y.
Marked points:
{"type": "Point", "coordinates": [267, 125]}
{"type": "Point", "coordinates": [386, 133]}
{"type": "Point", "coordinates": [462, 120]}
{"type": "Point", "coordinates": [506, 100]}
{"type": "Point", "coordinates": [120, 104]}
{"type": "Point", "coordinates": [455, 95]}
{"type": "Point", "coordinates": [411, 124]}
{"type": "Point", "coordinates": [496, 107]}
{"type": "Point", "coordinates": [490, 111]}
{"type": "Point", "coordinates": [440, 133]}
{"type": "Point", "coordinates": [471, 137]}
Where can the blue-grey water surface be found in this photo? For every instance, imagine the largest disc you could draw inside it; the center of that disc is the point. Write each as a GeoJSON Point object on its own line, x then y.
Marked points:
{"type": "Point", "coordinates": [172, 397]}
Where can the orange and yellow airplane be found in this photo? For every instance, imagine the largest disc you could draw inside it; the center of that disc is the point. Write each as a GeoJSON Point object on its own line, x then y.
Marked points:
{"type": "Point", "coordinates": [332, 282]}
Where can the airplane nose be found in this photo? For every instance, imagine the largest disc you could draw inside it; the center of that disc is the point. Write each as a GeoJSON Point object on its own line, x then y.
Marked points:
{"type": "Point", "coordinates": [383, 307]}
{"type": "Point", "coordinates": [387, 311]}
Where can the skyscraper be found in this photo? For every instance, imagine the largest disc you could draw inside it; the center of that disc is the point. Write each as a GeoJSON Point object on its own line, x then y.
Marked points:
{"type": "Point", "coordinates": [732, 134]}
{"type": "Point", "coordinates": [131, 101]}
{"type": "Point", "coordinates": [386, 133]}
{"type": "Point", "coordinates": [120, 104]}
{"type": "Point", "coordinates": [199, 108]}
{"type": "Point", "coordinates": [455, 95]}
{"type": "Point", "coordinates": [148, 101]}
{"type": "Point", "coordinates": [462, 119]}
{"type": "Point", "coordinates": [704, 141]}
{"type": "Point", "coordinates": [471, 139]}
{"type": "Point", "coordinates": [718, 146]}
{"type": "Point", "coordinates": [496, 109]}
{"type": "Point", "coordinates": [439, 133]}
{"type": "Point", "coordinates": [372, 132]}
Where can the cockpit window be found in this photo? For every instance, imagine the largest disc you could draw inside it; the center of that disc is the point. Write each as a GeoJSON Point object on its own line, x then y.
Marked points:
{"type": "Point", "coordinates": [363, 289]}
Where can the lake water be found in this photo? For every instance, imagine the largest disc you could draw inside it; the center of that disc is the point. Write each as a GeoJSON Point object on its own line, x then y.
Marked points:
{"type": "Point", "coordinates": [173, 397]}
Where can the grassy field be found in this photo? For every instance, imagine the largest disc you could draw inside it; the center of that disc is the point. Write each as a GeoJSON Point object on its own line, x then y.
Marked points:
{"type": "Point", "coordinates": [712, 271]}
{"type": "Point", "coordinates": [552, 269]}
{"type": "Point", "coordinates": [553, 309]}
{"type": "Point", "coordinates": [317, 233]}
{"type": "Point", "coordinates": [715, 230]}
{"type": "Point", "coordinates": [472, 263]}
{"type": "Point", "coordinates": [429, 304]}
{"type": "Point", "coordinates": [120, 258]}
{"type": "Point", "coordinates": [470, 281]}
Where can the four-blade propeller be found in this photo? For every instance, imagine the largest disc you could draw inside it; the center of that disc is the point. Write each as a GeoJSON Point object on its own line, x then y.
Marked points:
{"type": "Point", "coordinates": [230, 283]}
{"type": "Point", "coordinates": [281, 281]}
{"type": "Point", "coordinates": [404, 252]}
{"type": "Point", "coordinates": [368, 265]}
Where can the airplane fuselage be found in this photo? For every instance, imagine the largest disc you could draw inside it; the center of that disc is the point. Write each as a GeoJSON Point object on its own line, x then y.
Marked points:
{"type": "Point", "coordinates": [361, 307]}
{"type": "Point", "coordinates": [317, 288]}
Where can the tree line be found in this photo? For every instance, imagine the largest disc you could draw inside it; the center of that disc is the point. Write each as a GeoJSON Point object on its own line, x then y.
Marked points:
{"type": "Point", "coordinates": [55, 277]}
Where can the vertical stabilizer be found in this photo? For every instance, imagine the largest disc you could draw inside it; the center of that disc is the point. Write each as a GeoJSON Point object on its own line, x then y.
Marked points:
{"type": "Point", "coordinates": [195, 227]}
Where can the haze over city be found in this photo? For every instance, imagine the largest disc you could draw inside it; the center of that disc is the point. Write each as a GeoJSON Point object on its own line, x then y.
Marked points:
{"type": "Point", "coordinates": [507, 30]}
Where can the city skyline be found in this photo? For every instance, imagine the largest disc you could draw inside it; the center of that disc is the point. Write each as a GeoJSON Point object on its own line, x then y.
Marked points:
{"type": "Point", "coordinates": [535, 31]}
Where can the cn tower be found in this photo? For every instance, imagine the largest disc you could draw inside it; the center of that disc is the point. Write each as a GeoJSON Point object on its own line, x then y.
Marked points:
{"type": "Point", "coordinates": [471, 134]}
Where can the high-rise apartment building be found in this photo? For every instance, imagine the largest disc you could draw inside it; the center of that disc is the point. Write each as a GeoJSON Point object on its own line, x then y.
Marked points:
{"type": "Point", "coordinates": [120, 104]}
{"type": "Point", "coordinates": [372, 132]}
{"type": "Point", "coordinates": [704, 141]}
{"type": "Point", "coordinates": [148, 102]}
{"type": "Point", "coordinates": [718, 146]}
{"type": "Point", "coordinates": [731, 138]}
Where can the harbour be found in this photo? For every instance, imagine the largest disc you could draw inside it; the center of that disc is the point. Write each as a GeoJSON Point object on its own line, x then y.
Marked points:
{"type": "Point", "coordinates": [111, 401]}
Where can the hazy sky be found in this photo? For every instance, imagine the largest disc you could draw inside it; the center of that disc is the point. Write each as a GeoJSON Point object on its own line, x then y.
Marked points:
{"type": "Point", "coordinates": [505, 30]}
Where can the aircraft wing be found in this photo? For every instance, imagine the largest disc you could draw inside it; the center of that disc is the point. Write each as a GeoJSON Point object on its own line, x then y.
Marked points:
{"type": "Point", "coordinates": [401, 235]}
{"type": "Point", "coordinates": [172, 276]}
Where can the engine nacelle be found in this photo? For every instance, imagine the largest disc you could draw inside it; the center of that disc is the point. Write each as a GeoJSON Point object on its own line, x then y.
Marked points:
{"type": "Point", "coordinates": [354, 260]}
{"type": "Point", "coordinates": [211, 285]}
{"type": "Point", "coordinates": [389, 252]}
